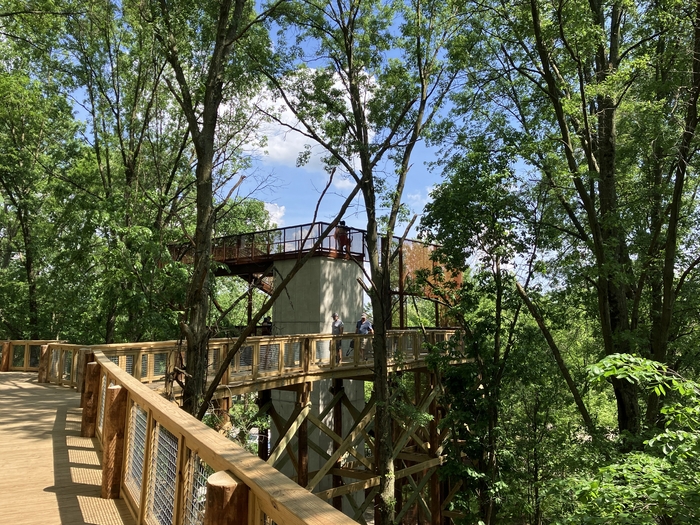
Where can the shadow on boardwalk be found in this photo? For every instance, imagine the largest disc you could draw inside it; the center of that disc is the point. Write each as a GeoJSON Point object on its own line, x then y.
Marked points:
{"type": "Point", "coordinates": [50, 475]}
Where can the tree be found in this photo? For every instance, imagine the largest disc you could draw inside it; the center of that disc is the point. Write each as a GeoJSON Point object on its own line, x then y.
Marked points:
{"type": "Point", "coordinates": [484, 234]}
{"type": "Point", "coordinates": [367, 96]}
{"type": "Point", "coordinates": [601, 101]}
{"type": "Point", "coordinates": [36, 143]}
{"type": "Point", "coordinates": [206, 48]}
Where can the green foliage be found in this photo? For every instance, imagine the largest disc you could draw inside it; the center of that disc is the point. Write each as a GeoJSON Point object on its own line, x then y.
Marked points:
{"type": "Point", "coordinates": [244, 419]}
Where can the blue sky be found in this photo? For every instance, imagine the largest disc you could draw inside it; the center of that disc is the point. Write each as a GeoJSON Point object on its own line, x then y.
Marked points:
{"type": "Point", "coordinates": [291, 193]}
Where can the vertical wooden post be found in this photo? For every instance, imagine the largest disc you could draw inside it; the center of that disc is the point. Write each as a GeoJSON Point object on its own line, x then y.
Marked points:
{"type": "Point", "coordinates": [227, 375]}
{"type": "Point", "coordinates": [44, 365]}
{"type": "Point", "coordinates": [227, 500]}
{"type": "Point", "coordinates": [89, 401]}
{"type": "Point", "coordinates": [303, 395]}
{"type": "Point", "coordinates": [264, 397]}
{"type": "Point", "coordinates": [113, 441]}
{"type": "Point", "coordinates": [86, 357]}
{"type": "Point", "coordinates": [338, 429]}
{"type": "Point", "coordinates": [306, 355]}
{"type": "Point", "coordinates": [6, 356]}
{"type": "Point", "coordinates": [435, 503]}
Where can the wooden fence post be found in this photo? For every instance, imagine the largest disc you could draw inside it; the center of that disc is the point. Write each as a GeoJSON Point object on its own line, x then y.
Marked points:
{"type": "Point", "coordinates": [113, 441]}
{"type": "Point", "coordinates": [89, 400]}
{"type": "Point", "coordinates": [227, 500]}
{"type": "Point", "coordinates": [43, 376]}
{"type": "Point", "coordinates": [6, 357]}
{"type": "Point", "coordinates": [85, 356]}
{"type": "Point", "coordinates": [303, 395]}
{"type": "Point", "coordinates": [306, 355]}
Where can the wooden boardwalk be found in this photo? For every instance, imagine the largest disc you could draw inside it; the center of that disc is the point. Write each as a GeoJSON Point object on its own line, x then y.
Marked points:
{"type": "Point", "coordinates": [48, 473]}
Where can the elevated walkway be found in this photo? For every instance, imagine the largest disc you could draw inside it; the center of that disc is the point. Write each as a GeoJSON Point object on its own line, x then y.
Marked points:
{"type": "Point", "coordinates": [50, 475]}
{"type": "Point", "coordinates": [250, 255]}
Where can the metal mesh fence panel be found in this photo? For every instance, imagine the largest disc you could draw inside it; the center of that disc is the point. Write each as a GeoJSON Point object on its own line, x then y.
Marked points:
{"type": "Point", "coordinates": [34, 355]}
{"type": "Point", "coordinates": [269, 357]}
{"type": "Point", "coordinates": [322, 350]}
{"type": "Point", "coordinates": [196, 490]}
{"type": "Point", "coordinates": [159, 364]}
{"type": "Point", "coordinates": [68, 365]}
{"type": "Point", "coordinates": [162, 478]}
{"type": "Point", "coordinates": [18, 356]}
{"type": "Point", "coordinates": [103, 395]}
{"type": "Point", "coordinates": [55, 359]}
{"type": "Point", "coordinates": [213, 360]}
{"type": "Point", "coordinates": [144, 365]}
{"type": "Point", "coordinates": [136, 451]}
{"type": "Point", "coordinates": [130, 365]}
{"type": "Point", "coordinates": [114, 359]}
{"type": "Point", "coordinates": [246, 357]}
{"type": "Point", "coordinates": [292, 352]}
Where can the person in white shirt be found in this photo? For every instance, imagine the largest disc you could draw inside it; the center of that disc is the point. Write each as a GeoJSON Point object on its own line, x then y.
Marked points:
{"type": "Point", "coordinates": [337, 329]}
{"type": "Point", "coordinates": [365, 329]}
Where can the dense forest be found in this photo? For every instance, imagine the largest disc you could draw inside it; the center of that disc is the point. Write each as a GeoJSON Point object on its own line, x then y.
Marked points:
{"type": "Point", "coordinates": [567, 151]}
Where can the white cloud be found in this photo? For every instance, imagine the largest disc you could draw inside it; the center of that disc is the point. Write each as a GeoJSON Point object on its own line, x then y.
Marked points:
{"type": "Point", "coordinates": [284, 144]}
{"type": "Point", "coordinates": [276, 213]}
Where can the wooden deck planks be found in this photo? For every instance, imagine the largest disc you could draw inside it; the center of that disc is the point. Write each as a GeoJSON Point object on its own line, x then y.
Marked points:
{"type": "Point", "coordinates": [48, 473]}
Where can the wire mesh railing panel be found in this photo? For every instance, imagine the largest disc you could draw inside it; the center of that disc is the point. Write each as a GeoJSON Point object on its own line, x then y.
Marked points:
{"type": "Point", "coordinates": [322, 350]}
{"type": "Point", "coordinates": [34, 356]}
{"type": "Point", "coordinates": [18, 356]}
{"type": "Point", "coordinates": [144, 365]}
{"type": "Point", "coordinates": [213, 360]}
{"type": "Point", "coordinates": [130, 364]}
{"type": "Point", "coordinates": [160, 362]}
{"type": "Point", "coordinates": [246, 358]}
{"type": "Point", "coordinates": [136, 452]}
{"type": "Point", "coordinates": [103, 395]}
{"type": "Point", "coordinates": [68, 365]}
{"type": "Point", "coordinates": [292, 354]}
{"type": "Point", "coordinates": [269, 357]}
{"type": "Point", "coordinates": [196, 490]}
{"type": "Point", "coordinates": [55, 359]}
{"type": "Point", "coordinates": [162, 478]}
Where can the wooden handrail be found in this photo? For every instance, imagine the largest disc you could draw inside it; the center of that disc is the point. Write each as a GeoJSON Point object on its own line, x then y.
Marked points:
{"type": "Point", "coordinates": [267, 357]}
{"type": "Point", "coordinates": [273, 493]}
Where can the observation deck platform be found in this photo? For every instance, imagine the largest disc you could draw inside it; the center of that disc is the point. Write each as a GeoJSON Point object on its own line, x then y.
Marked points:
{"type": "Point", "coordinates": [49, 474]}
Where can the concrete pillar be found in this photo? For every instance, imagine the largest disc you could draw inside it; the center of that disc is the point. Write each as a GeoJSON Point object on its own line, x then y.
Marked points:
{"type": "Point", "coordinates": [323, 286]}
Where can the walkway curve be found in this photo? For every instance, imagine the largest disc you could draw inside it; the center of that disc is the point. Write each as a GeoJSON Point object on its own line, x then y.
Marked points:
{"type": "Point", "coordinates": [48, 473]}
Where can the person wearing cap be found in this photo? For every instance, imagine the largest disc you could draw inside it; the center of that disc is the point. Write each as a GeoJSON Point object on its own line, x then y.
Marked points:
{"type": "Point", "coordinates": [266, 327]}
{"type": "Point", "coordinates": [337, 328]}
{"type": "Point", "coordinates": [365, 328]}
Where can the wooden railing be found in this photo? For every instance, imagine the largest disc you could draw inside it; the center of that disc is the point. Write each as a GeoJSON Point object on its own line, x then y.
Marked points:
{"type": "Point", "coordinates": [261, 357]}
{"type": "Point", "coordinates": [165, 463]}
{"type": "Point", "coordinates": [168, 466]}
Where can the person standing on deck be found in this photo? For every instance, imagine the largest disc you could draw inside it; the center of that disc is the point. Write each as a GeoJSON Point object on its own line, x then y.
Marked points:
{"type": "Point", "coordinates": [337, 328]}
{"type": "Point", "coordinates": [365, 329]}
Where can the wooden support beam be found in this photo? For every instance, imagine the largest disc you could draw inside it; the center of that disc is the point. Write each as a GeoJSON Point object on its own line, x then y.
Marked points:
{"type": "Point", "coordinates": [86, 357]}
{"type": "Point", "coordinates": [227, 500]}
{"type": "Point", "coordinates": [88, 422]}
{"type": "Point", "coordinates": [355, 435]}
{"type": "Point", "coordinates": [281, 425]}
{"type": "Point", "coordinates": [338, 441]}
{"type": "Point", "coordinates": [303, 435]}
{"type": "Point", "coordinates": [264, 402]}
{"type": "Point", "coordinates": [113, 441]}
{"type": "Point", "coordinates": [293, 425]}
{"type": "Point", "coordinates": [44, 365]}
{"type": "Point", "coordinates": [416, 490]}
{"type": "Point", "coordinates": [338, 429]}
{"type": "Point", "coordinates": [434, 491]}
{"type": "Point", "coordinates": [374, 480]}
{"type": "Point", "coordinates": [6, 357]}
